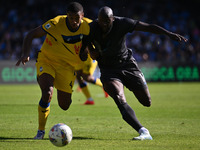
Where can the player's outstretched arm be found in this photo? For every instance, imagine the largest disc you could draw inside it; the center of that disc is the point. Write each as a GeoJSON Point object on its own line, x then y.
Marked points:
{"type": "Point", "coordinates": [153, 28]}
{"type": "Point", "coordinates": [35, 33]}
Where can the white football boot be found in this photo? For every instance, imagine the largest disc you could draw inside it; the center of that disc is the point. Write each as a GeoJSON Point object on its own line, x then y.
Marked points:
{"type": "Point", "coordinates": [144, 135]}
{"type": "Point", "coordinates": [40, 135]}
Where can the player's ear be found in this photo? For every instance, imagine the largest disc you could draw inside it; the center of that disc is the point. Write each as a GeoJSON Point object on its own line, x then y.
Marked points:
{"type": "Point", "coordinates": [113, 18]}
{"type": "Point", "coordinates": [82, 14]}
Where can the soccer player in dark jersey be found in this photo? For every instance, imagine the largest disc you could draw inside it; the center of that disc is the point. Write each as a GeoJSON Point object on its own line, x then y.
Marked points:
{"type": "Point", "coordinates": [117, 66]}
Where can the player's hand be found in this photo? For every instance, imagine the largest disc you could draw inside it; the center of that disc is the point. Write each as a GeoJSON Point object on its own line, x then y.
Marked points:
{"type": "Point", "coordinates": [177, 37]}
{"type": "Point", "coordinates": [94, 54]}
{"type": "Point", "coordinates": [22, 60]}
{"type": "Point", "coordinates": [93, 50]}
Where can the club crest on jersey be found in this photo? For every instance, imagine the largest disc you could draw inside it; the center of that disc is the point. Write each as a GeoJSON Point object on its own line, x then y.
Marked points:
{"type": "Point", "coordinates": [41, 69]}
{"type": "Point", "coordinates": [47, 26]}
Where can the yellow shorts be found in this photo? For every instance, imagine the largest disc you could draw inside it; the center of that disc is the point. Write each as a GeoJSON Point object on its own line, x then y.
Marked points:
{"type": "Point", "coordinates": [88, 66]}
{"type": "Point", "coordinates": [64, 76]}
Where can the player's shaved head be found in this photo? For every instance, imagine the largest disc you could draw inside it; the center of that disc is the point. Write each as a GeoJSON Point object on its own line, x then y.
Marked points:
{"type": "Point", "coordinates": [106, 12]}
{"type": "Point", "coordinates": [105, 19]}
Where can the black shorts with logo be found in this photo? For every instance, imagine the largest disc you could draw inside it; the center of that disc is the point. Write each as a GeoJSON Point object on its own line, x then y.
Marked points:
{"type": "Point", "coordinates": [127, 73]}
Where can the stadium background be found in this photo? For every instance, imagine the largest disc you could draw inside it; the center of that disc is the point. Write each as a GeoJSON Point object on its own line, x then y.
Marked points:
{"type": "Point", "coordinates": [160, 58]}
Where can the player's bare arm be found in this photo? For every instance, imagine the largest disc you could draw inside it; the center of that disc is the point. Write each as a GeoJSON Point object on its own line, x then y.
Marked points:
{"type": "Point", "coordinates": [153, 28]}
{"type": "Point", "coordinates": [91, 50]}
{"type": "Point", "coordinates": [83, 53]}
{"type": "Point", "coordinates": [35, 33]}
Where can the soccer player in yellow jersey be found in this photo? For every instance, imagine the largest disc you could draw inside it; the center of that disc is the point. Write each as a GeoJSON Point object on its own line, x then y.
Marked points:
{"type": "Point", "coordinates": [57, 59]}
{"type": "Point", "coordinates": [84, 74]}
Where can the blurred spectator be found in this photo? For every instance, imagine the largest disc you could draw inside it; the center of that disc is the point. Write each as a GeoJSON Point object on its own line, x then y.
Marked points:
{"type": "Point", "coordinates": [18, 18]}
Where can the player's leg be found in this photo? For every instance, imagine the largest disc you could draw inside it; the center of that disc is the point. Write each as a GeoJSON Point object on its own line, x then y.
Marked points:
{"type": "Point", "coordinates": [45, 82]}
{"type": "Point", "coordinates": [143, 96]}
{"type": "Point", "coordinates": [91, 79]}
{"type": "Point", "coordinates": [64, 99]}
{"type": "Point", "coordinates": [88, 71]}
{"type": "Point", "coordinates": [64, 82]}
{"type": "Point", "coordinates": [116, 90]}
{"type": "Point", "coordinates": [138, 85]}
{"type": "Point", "coordinates": [140, 89]}
{"type": "Point", "coordinates": [84, 88]}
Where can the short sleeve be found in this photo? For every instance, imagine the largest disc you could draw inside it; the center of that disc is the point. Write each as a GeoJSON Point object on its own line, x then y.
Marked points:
{"type": "Point", "coordinates": [129, 24]}
{"type": "Point", "coordinates": [49, 26]}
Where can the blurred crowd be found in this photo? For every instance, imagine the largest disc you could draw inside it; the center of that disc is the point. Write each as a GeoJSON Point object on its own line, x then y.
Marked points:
{"type": "Point", "coordinates": [19, 17]}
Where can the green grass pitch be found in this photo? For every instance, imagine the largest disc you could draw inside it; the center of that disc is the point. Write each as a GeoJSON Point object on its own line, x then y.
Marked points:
{"type": "Point", "coordinates": [173, 119]}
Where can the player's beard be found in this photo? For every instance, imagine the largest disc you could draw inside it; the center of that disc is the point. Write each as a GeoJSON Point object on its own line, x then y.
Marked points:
{"type": "Point", "coordinates": [75, 26]}
{"type": "Point", "coordinates": [107, 30]}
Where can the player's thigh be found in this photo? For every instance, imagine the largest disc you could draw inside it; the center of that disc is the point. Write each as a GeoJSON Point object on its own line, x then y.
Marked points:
{"type": "Point", "coordinates": [45, 75]}
{"type": "Point", "coordinates": [135, 81]}
{"type": "Point", "coordinates": [44, 67]}
{"type": "Point", "coordinates": [115, 89]}
{"type": "Point", "coordinates": [140, 89]}
{"type": "Point", "coordinates": [64, 79]}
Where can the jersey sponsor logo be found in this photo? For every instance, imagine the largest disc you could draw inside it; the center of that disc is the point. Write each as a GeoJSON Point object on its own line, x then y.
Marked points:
{"type": "Point", "coordinates": [47, 26]}
{"type": "Point", "coordinates": [77, 48]}
{"type": "Point", "coordinates": [72, 39]}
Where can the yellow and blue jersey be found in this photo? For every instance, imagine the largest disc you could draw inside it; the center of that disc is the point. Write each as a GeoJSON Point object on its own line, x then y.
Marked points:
{"type": "Point", "coordinates": [61, 45]}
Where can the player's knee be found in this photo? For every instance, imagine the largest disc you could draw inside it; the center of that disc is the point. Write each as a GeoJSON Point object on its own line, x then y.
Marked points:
{"type": "Point", "coordinates": [147, 102]}
{"type": "Point", "coordinates": [89, 78]}
{"type": "Point", "coordinates": [65, 106]}
{"type": "Point", "coordinates": [47, 94]}
{"type": "Point", "coordinates": [120, 98]}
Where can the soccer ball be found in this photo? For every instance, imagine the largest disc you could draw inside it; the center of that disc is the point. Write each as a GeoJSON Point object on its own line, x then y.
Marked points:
{"type": "Point", "coordinates": [60, 135]}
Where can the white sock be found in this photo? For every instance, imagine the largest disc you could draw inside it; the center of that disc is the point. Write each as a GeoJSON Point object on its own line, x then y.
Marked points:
{"type": "Point", "coordinates": [143, 130]}
{"type": "Point", "coordinates": [90, 99]}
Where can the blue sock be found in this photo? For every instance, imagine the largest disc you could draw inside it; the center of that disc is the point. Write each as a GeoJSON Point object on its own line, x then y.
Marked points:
{"type": "Point", "coordinates": [94, 81]}
{"type": "Point", "coordinates": [84, 84]}
{"type": "Point", "coordinates": [44, 104]}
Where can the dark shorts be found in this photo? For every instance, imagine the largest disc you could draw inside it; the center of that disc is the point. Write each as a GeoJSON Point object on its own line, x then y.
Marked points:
{"type": "Point", "coordinates": [127, 73]}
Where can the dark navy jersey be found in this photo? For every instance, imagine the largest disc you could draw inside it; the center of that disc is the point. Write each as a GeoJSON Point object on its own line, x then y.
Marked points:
{"type": "Point", "coordinates": [112, 47]}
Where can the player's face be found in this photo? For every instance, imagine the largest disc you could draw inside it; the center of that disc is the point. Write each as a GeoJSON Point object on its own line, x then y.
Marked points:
{"type": "Point", "coordinates": [75, 19]}
{"type": "Point", "coordinates": [105, 23]}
